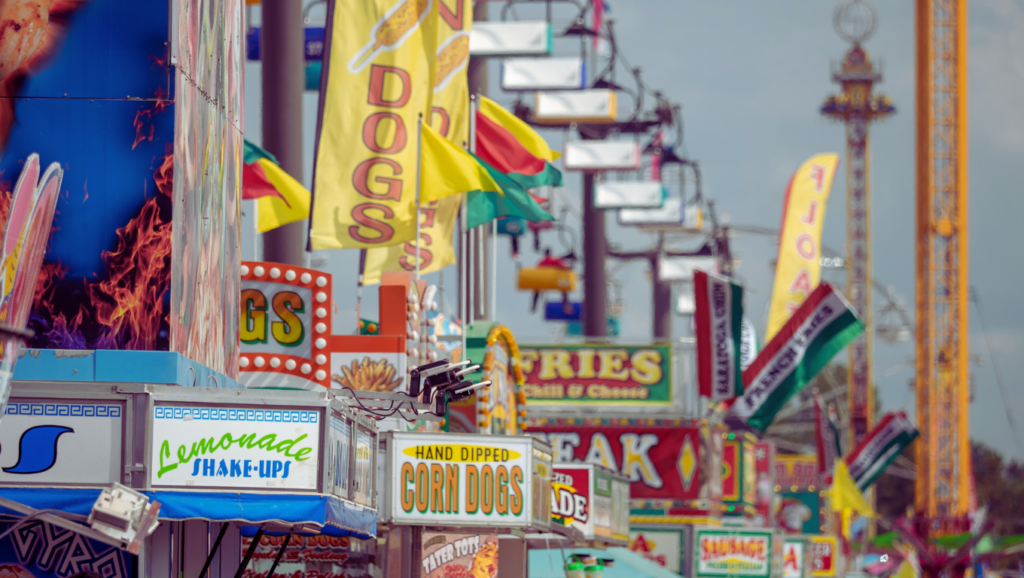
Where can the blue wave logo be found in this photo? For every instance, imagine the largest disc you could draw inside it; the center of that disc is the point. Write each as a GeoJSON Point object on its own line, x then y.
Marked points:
{"type": "Point", "coordinates": [37, 450]}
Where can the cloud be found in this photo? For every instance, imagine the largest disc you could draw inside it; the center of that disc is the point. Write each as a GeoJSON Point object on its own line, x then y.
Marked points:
{"type": "Point", "coordinates": [996, 42]}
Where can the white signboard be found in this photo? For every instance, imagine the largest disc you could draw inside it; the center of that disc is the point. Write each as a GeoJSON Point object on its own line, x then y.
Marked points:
{"type": "Point", "coordinates": [510, 38]}
{"type": "Point", "coordinates": [542, 73]}
{"type": "Point", "coordinates": [625, 195]}
{"type": "Point", "coordinates": [664, 548]}
{"type": "Point", "coordinates": [793, 559]}
{"type": "Point", "coordinates": [234, 447]}
{"type": "Point", "coordinates": [602, 156]}
{"type": "Point", "coordinates": [736, 553]}
{"type": "Point", "coordinates": [555, 107]}
{"type": "Point", "coordinates": [460, 480]}
{"type": "Point", "coordinates": [61, 443]}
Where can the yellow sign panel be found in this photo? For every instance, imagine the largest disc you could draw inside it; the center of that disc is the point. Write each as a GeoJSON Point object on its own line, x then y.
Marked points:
{"type": "Point", "coordinates": [798, 269]}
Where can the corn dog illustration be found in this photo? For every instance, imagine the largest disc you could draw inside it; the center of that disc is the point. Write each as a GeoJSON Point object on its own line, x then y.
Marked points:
{"type": "Point", "coordinates": [451, 58]}
{"type": "Point", "coordinates": [391, 31]}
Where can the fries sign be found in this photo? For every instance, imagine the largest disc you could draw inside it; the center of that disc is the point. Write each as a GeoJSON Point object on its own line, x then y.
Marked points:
{"type": "Point", "coordinates": [455, 480]}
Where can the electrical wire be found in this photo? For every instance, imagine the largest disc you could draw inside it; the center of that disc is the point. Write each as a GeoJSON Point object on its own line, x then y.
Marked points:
{"type": "Point", "coordinates": [995, 369]}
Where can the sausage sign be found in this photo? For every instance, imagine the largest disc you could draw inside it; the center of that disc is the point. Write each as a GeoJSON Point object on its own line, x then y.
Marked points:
{"type": "Point", "coordinates": [461, 480]}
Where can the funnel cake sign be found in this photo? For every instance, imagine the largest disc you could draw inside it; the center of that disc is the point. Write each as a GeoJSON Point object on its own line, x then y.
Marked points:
{"type": "Point", "coordinates": [285, 326]}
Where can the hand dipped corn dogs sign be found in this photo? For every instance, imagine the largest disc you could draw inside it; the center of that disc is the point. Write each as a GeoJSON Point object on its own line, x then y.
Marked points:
{"type": "Point", "coordinates": [467, 480]}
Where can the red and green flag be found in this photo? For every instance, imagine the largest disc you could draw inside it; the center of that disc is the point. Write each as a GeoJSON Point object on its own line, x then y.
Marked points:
{"type": "Point", "coordinates": [280, 198]}
{"type": "Point", "coordinates": [879, 448]}
{"type": "Point", "coordinates": [719, 325]}
{"type": "Point", "coordinates": [822, 326]}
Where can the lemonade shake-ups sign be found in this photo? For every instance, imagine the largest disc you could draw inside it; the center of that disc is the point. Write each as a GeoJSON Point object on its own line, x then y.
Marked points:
{"type": "Point", "coordinates": [724, 553]}
{"type": "Point", "coordinates": [234, 447]}
{"type": "Point", "coordinates": [461, 480]}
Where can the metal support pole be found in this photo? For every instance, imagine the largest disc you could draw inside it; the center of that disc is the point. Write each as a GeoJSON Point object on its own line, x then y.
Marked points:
{"type": "Point", "coordinates": [280, 554]}
{"type": "Point", "coordinates": [248, 553]}
{"type": "Point", "coordinates": [595, 322]}
{"type": "Point", "coordinates": [283, 81]}
{"type": "Point", "coordinates": [662, 304]}
{"type": "Point", "coordinates": [213, 550]}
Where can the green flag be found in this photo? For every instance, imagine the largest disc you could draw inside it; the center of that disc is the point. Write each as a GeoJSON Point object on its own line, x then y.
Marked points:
{"type": "Point", "coordinates": [482, 207]}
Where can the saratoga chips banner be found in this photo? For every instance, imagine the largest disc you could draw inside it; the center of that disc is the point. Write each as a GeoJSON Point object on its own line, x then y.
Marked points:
{"type": "Point", "coordinates": [798, 268]}
{"type": "Point", "coordinates": [450, 118]}
{"type": "Point", "coordinates": [380, 77]}
{"type": "Point", "coordinates": [597, 374]}
{"type": "Point", "coordinates": [719, 322]}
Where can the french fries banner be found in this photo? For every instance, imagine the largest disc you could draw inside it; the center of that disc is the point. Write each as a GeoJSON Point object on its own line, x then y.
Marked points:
{"type": "Point", "coordinates": [798, 267]}
{"type": "Point", "coordinates": [380, 74]}
{"type": "Point", "coordinates": [450, 117]}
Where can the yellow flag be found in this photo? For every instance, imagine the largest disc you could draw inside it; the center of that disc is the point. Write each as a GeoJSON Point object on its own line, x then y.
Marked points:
{"type": "Point", "coordinates": [523, 132]}
{"type": "Point", "coordinates": [450, 118]}
{"type": "Point", "coordinates": [272, 212]}
{"type": "Point", "coordinates": [380, 80]}
{"type": "Point", "coordinates": [798, 268]}
{"type": "Point", "coordinates": [844, 495]}
{"type": "Point", "coordinates": [448, 170]}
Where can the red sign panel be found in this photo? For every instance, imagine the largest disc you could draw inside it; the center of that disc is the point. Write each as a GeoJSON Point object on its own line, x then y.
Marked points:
{"type": "Point", "coordinates": [667, 463]}
{"type": "Point", "coordinates": [796, 473]}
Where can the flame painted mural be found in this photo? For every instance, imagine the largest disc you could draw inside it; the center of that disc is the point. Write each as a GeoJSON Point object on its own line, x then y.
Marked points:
{"type": "Point", "coordinates": [90, 82]}
{"type": "Point", "coordinates": [91, 88]}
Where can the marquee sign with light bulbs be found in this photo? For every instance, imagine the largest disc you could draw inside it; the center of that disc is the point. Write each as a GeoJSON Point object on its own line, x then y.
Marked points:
{"type": "Point", "coordinates": [285, 326]}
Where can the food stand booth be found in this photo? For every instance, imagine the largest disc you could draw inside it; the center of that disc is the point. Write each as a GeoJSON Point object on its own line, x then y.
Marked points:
{"type": "Point", "coordinates": [221, 462]}
{"type": "Point", "coordinates": [451, 501]}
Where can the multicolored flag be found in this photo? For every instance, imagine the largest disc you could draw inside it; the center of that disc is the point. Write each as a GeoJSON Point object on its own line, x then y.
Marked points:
{"type": "Point", "coordinates": [798, 267]}
{"type": "Point", "coordinates": [719, 321]}
{"type": "Point", "coordinates": [826, 435]}
{"type": "Point", "coordinates": [521, 132]}
{"type": "Point", "coordinates": [823, 325]}
{"type": "Point", "coordinates": [513, 201]}
{"type": "Point", "coordinates": [280, 199]}
{"type": "Point", "coordinates": [880, 448]}
{"type": "Point", "coordinates": [498, 146]}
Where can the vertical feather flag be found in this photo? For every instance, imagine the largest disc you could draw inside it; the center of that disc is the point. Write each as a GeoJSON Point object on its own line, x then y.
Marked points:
{"type": "Point", "coordinates": [798, 267]}
{"type": "Point", "coordinates": [719, 321]}
{"type": "Point", "coordinates": [450, 118]}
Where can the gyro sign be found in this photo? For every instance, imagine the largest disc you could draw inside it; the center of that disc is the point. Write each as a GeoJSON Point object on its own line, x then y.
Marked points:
{"type": "Point", "coordinates": [460, 480]}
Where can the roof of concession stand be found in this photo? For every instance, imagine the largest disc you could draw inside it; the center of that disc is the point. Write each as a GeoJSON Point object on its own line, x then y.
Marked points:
{"type": "Point", "coordinates": [550, 564]}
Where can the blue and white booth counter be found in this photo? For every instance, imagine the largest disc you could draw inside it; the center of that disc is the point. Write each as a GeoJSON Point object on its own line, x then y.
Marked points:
{"type": "Point", "coordinates": [224, 463]}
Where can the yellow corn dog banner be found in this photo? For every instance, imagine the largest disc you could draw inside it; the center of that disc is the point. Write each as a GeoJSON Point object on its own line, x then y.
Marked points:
{"type": "Point", "coordinates": [798, 267]}
{"type": "Point", "coordinates": [450, 118]}
{"type": "Point", "coordinates": [379, 78]}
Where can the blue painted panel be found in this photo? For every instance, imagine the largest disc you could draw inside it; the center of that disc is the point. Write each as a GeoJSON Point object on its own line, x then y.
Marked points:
{"type": "Point", "coordinates": [56, 365]}
{"type": "Point", "coordinates": [156, 367]}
